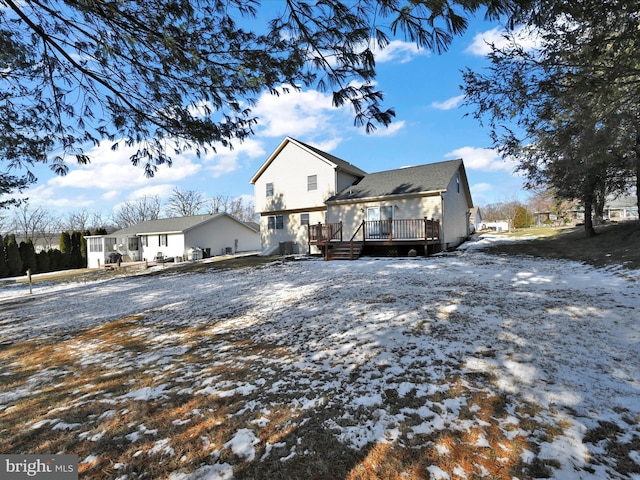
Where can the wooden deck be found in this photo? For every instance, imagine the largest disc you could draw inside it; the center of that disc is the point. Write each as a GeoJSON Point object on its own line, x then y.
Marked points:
{"type": "Point", "coordinates": [383, 234]}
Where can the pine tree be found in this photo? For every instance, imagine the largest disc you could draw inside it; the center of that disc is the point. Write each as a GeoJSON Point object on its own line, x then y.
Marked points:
{"type": "Point", "coordinates": [4, 268]}
{"type": "Point", "coordinates": [65, 250]}
{"type": "Point", "coordinates": [522, 219]}
{"type": "Point", "coordinates": [43, 261]}
{"type": "Point", "coordinates": [55, 260]}
{"type": "Point", "coordinates": [28, 256]}
{"type": "Point", "coordinates": [76, 249]}
{"type": "Point", "coordinates": [146, 73]}
{"type": "Point", "coordinates": [14, 261]}
{"type": "Point", "coordinates": [83, 248]}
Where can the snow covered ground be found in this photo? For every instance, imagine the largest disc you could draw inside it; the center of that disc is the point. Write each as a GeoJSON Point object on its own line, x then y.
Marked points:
{"type": "Point", "coordinates": [383, 344]}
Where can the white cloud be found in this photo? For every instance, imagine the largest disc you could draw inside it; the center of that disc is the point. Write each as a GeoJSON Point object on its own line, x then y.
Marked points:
{"type": "Point", "coordinates": [109, 178]}
{"type": "Point", "coordinates": [310, 116]}
{"type": "Point", "coordinates": [481, 187]}
{"type": "Point", "coordinates": [397, 50]}
{"type": "Point", "coordinates": [297, 114]}
{"type": "Point", "coordinates": [226, 160]}
{"type": "Point", "coordinates": [162, 191]}
{"type": "Point", "coordinates": [448, 104]}
{"type": "Point", "coordinates": [527, 38]}
{"type": "Point", "coordinates": [112, 170]}
{"type": "Point", "coordinates": [484, 159]}
{"type": "Point", "coordinates": [326, 145]}
{"type": "Point", "coordinates": [49, 197]}
{"type": "Point", "coordinates": [382, 131]}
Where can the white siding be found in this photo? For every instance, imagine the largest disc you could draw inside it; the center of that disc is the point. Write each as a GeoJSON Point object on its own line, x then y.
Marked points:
{"type": "Point", "coordinates": [221, 234]}
{"type": "Point", "coordinates": [96, 259]}
{"type": "Point", "coordinates": [288, 172]}
{"type": "Point", "coordinates": [456, 213]}
{"type": "Point", "coordinates": [407, 207]}
{"type": "Point", "coordinates": [173, 248]}
{"type": "Point", "coordinates": [293, 231]}
{"type": "Point", "coordinates": [216, 235]}
{"type": "Point", "coordinates": [454, 220]}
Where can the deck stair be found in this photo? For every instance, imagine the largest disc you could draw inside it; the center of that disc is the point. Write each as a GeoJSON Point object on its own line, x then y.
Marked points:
{"type": "Point", "coordinates": [343, 251]}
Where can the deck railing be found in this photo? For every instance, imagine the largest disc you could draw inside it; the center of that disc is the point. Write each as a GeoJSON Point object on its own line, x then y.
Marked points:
{"type": "Point", "coordinates": [394, 229]}
{"type": "Point", "coordinates": [386, 230]}
{"type": "Point", "coordinates": [319, 233]}
{"type": "Point", "coordinates": [431, 229]}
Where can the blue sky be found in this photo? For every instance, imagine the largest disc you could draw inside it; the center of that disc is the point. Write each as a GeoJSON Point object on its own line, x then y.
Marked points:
{"type": "Point", "coordinates": [430, 126]}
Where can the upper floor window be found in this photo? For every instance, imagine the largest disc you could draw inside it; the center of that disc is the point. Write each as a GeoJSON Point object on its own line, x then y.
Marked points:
{"type": "Point", "coordinates": [270, 189]}
{"type": "Point", "coordinates": [312, 182]}
{"type": "Point", "coordinates": [458, 183]}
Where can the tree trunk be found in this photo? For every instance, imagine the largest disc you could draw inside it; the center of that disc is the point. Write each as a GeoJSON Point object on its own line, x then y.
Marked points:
{"type": "Point", "coordinates": [588, 219]}
{"type": "Point", "coordinates": [637, 167]}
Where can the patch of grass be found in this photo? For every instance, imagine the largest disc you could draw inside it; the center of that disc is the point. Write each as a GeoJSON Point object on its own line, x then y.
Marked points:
{"type": "Point", "coordinates": [73, 403]}
{"type": "Point", "coordinates": [614, 244]}
{"type": "Point", "coordinates": [96, 274]}
{"type": "Point", "coordinates": [216, 264]}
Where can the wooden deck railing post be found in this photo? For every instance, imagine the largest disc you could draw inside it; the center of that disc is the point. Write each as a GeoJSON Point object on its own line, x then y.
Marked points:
{"type": "Point", "coordinates": [364, 231]}
{"type": "Point", "coordinates": [426, 241]}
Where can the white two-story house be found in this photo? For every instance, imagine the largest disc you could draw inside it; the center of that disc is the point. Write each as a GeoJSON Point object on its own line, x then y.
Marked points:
{"type": "Point", "coordinates": [316, 202]}
{"type": "Point", "coordinates": [290, 190]}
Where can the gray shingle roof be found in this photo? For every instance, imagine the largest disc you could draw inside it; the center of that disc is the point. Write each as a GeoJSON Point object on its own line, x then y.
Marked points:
{"type": "Point", "coordinates": [342, 164]}
{"type": "Point", "coordinates": [165, 225]}
{"type": "Point", "coordinates": [424, 178]}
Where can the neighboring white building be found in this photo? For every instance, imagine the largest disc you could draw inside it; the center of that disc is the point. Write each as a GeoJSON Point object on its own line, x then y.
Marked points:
{"type": "Point", "coordinates": [186, 238]}
{"type": "Point", "coordinates": [304, 194]}
{"type": "Point", "coordinates": [621, 208]}
{"type": "Point", "coordinates": [475, 219]}
{"type": "Point", "coordinates": [502, 226]}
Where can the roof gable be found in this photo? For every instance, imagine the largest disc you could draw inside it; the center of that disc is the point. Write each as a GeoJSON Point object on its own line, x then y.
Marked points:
{"type": "Point", "coordinates": [333, 161]}
{"type": "Point", "coordinates": [172, 225]}
{"type": "Point", "coordinates": [421, 179]}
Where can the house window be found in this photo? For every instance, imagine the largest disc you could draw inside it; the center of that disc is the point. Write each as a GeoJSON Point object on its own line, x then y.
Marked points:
{"type": "Point", "coordinates": [458, 183]}
{"type": "Point", "coordinates": [133, 244]}
{"type": "Point", "coordinates": [95, 244]}
{"type": "Point", "coordinates": [269, 189]}
{"type": "Point", "coordinates": [163, 240]}
{"type": "Point", "coordinates": [144, 240]}
{"type": "Point", "coordinates": [109, 244]}
{"type": "Point", "coordinates": [312, 182]}
{"type": "Point", "coordinates": [275, 222]}
{"type": "Point", "coordinates": [304, 219]}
